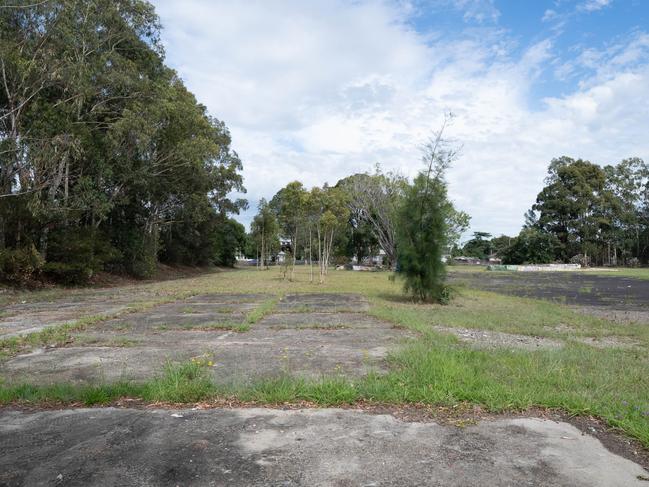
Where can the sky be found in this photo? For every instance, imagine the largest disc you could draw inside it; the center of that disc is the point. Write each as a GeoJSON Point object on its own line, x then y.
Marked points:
{"type": "Point", "coordinates": [321, 89]}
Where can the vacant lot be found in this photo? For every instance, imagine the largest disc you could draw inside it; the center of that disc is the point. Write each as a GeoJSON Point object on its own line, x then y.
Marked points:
{"type": "Point", "coordinates": [249, 337]}
{"type": "Point", "coordinates": [579, 288]}
{"type": "Point", "coordinates": [619, 296]}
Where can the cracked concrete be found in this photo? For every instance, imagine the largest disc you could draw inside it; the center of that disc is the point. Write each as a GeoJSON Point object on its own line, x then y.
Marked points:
{"type": "Point", "coordinates": [332, 447]}
{"type": "Point", "coordinates": [309, 345]}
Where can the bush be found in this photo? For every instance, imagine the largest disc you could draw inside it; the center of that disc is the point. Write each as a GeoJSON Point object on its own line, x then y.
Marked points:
{"type": "Point", "coordinates": [19, 266]}
{"type": "Point", "coordinates": [68, 274]}
{"type": "Point", "coordinates": [144, 266]}
{"type": "Point", "coordinates": [74, 255]}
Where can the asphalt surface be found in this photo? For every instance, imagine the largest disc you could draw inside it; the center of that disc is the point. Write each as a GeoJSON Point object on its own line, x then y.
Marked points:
{"type": "Point", "coordinates": [576, 288]}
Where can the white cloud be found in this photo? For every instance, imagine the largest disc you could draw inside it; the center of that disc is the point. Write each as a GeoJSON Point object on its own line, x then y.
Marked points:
{"type": "Point", "coordinates": [478, 10]}
{"type": "Point", "coordinates": [319, 90]}
{"type": "Point", "coordinates": [593, 5]}
{"type": "Point", "coordinates": [548, 15]}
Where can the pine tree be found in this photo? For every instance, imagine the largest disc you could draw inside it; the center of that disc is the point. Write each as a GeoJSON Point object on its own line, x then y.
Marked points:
{"type": "Point", "coordinates": [422, 226]}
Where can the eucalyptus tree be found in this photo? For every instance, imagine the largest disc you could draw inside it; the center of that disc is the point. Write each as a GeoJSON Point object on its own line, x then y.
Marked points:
{"type": "Point", "coordinates": [289, 204]}
{"type": "Point", "coordinates": [628, 185]}
{"type": "Point", "coordinates": [265, 233]}
{"type": "Point", "coordinates": [329, 214]}
{"type": "Point", "coordinates": [106, 160]}
{"type": "Point", "coordinates": [375, 199]}
{"type": "Point", "coordinates": [569, 206]}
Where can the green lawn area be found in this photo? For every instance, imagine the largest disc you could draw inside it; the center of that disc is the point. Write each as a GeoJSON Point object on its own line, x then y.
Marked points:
{"type": "Point", "coordinates": [435, 369]}
{"type": "Point", "coordinates": [638, 273]}
{"type": "Point", "coordinates": [635, 272]}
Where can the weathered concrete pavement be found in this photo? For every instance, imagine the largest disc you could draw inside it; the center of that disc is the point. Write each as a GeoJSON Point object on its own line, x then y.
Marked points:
{"type": "Point", "coordinates": [110, 447]}
{"type": "Point", "coordinates": [308, 335]}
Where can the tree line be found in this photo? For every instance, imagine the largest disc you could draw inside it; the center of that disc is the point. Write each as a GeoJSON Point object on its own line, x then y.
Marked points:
{"type": "Point", "coordinates": [410, 223]}
{"type": "Point", "coordinates": [107, 161]}
{"type": "Point", "coordinates": [585, 214]}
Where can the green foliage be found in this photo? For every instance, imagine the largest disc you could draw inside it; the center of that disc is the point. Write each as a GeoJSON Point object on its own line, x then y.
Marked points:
{"type": "Point", "coordinates": [264, 233]}
{"type": "Point", "coordinates": [599, 214]}
{"type": "Point", "coordinates": [76, 254]}
{"type": "Point", "coordinates": [19, 266]}
{"type": "Point", "coordinates": [374, 200]}
{"type": "Point", "coordinates": [479, 246]}
{"type": "Point", "coordinates": [139, 250]}
{"type": "Point", "coordinates": [181, 382]}
{"type": "Point", "coordinates": [423, 224]}
{"type": "Point", "coordinates": [359, 240]}
{"type": "Point", "coordinates": [531, 246]}
{"type": "Point", "coordinates": [327, 214]}
{"type": "Point", "coordinates": [68, 274]}
{"type": "Point", "coordinates": [229, 237]}
{"type": "Point", "coordinates": [108, 161]}
{"type": "Point", "coordinates": [421, 239]}
{"type": "Point", "coordinates": [289, 205]}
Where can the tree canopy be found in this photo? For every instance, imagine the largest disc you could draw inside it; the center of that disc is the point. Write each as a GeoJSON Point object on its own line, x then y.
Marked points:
{"type": "Point", "coordinates": [585, 214]}
{"type": "Point", "coordinates": [106, 160]}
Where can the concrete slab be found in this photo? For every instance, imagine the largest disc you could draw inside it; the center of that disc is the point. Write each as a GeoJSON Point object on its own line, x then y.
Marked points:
{"type": "Point", "coordinates": [323, 302]}
{"type": "Point", "coordinates": [89, 365]}
{"type": "Point", "coordinates": [26, 318]}
{"type": "Point", "coordinates": [238, 358]}
{"type": "Point", "coordinates": [494, 339]}
{"type": "Point", "coordinates": [322, 320]}
{"type": "Point", "coordinates": [195, 312]}
{"type": "Point", "coordinates": [255, 447]}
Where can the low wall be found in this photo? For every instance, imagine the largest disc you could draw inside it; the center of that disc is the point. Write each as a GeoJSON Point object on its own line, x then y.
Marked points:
{"type": "Point", "coordinates": [535, 267]}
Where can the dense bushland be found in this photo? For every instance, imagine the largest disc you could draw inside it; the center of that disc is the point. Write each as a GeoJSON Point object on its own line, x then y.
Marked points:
{"type": "Point", "coordinates": [106, 160]}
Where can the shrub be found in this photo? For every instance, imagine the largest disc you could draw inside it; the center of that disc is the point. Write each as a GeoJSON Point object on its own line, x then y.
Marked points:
{"type": "Point", "coordinates": [19, 266]}
{"type": "Point", "coordinates": [69, 274]}
{"type": "Point", "coordinates": [74, 255]}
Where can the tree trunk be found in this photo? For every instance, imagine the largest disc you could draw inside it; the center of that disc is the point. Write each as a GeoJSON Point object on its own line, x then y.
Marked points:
{"type": "Point", "coordinates": [320, 255]}
{"type": "Point", "coordinates": [310, 255]}
{"type": "Point", "coordinates": [294, 251]}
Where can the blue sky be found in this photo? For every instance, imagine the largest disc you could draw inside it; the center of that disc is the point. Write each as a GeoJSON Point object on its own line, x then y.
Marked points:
{"type": "Point", "coordinates": [319, 90]}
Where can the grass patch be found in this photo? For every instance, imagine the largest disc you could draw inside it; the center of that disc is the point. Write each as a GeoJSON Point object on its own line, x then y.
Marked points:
{"type": "Point", "coordinates": [104, 341]}
{"type": "Point", "coordinates": [184, 382]}
{"type": "Point", "coordinates": [179, 382]}
{"type": "Point", "coordinates": [637, 273]}
{"type": "Point", "coordinates": [311, 326]}
{"type": "Point", "coordinates": [262, 310]}
{"type": "Point", "coordinates": [226, 325]}
{"type": "Point", "coordinates": [433, 370]}
{"type": "Point", "coordinates": [509, 314]}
